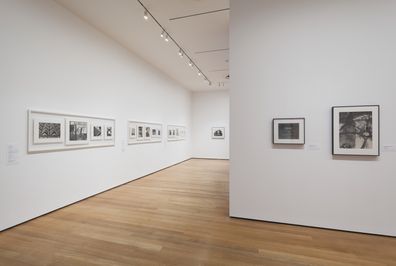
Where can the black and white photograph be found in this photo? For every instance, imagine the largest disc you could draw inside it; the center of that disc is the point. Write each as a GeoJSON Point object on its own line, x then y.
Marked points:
{"type": "Point", "coordinates": [288, 131]}
{"type": "Point", "coordinates": [96, 132]}
{"type": "Point", "coordinates": [140, 135]}
{"type": "Point", "coordinates": [356, 130]}
{"type": "Point", "coordinates": [156, 131]}
{"type": "Point", "coordinates": [109, 132]}
{"type": "Point", "coordinates": [218, 132]}
{"type": "Point", "coordinates": [147, 132]}
{"type": "Point", "coordinates": [48, 131]}
{"type": "Point", "coordinates": [76, 131]}
{"type": "Point", "coordinates": [132, 132]}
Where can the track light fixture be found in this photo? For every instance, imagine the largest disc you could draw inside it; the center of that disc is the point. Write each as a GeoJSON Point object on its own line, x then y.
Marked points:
{"type": "Point", "coordinates": [167, 37]}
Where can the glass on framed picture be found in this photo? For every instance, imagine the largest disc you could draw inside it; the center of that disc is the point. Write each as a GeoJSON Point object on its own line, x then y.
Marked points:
{"type": "Point", "coordinates": [288, 131]}
{"type": "Point", "coordinates": [218, 132]}
{"type": "Point", "coordinates": [356, 130]}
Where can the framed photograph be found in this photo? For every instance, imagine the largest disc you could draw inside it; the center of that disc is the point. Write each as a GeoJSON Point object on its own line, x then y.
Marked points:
{"type": "Point", "coordinates": [97, 132]}
{"type": "Point", "coordinates": [48, 131]}
{"type": "Point", "coordinates": [108, 132]}
{"type": "Point", "coordinates": [288, 131]}
{"type": "Point", "coordinates": [147, 132]}
{"type": "Point", "coordinates": [132, 132]}
{"type": "Point", "coordinates": [218, 132]}
{"type": "Point", "coordinates": [156, 131]}
{"type": "Point", "coordinates": [76, 131]}
{"type": "Point", "coordinates": [140, 133]}
{"type": "Point", "coordinates": [356, 130]}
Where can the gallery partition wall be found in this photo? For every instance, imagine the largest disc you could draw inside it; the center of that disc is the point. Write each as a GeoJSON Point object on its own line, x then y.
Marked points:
{"type": "Point", "coordinates": [75, 80]}
{"type": "Point", "coordinates": [327, 66]}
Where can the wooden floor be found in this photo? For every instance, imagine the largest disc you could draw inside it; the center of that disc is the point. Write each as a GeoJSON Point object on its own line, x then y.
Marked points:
{"type": "Point", "coordinates": [179, 216]}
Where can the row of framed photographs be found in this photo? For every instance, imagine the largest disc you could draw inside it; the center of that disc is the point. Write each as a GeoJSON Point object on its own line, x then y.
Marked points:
{"type": "Point", "coordinates": [355, 130]}
{"type": "Point", "coordinates": [48, 131]}
{"type": "Point", "coordinates": [142, 132]}
{"type": "Point", "coordinates": [56, 131]}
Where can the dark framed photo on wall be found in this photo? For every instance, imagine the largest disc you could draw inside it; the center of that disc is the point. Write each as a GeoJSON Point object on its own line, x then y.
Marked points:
{"type": "Point", "coordinates": [218, 132]}
{"type": "Point", "coordinates": [288, 131]}
{"type": "Point", "coordinates": [356, 130]}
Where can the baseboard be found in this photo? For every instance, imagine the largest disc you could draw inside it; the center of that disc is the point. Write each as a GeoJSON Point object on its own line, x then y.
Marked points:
{"type": "Point", "coordinates": [210, 158]}
{"type": "Point", "coordinates": [93, 195]}
{"type": "Point", "coordinates": [312, 226]}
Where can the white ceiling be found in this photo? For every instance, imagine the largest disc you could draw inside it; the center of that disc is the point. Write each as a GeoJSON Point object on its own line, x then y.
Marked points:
{"type": "Point", "coordinates": [203, 37]}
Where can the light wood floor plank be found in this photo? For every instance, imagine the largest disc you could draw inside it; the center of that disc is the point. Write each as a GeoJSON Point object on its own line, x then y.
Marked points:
{"type": "Point", "coordinates": [179, 216]}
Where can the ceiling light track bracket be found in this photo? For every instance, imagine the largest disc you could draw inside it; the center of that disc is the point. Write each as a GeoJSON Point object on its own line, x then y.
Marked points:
{"type": "Point", "coordinates": [169, 37]}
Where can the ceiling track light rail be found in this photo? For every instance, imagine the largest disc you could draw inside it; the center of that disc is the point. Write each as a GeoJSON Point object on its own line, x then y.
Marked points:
{"type": "Point", "coordinates": [167, 37]}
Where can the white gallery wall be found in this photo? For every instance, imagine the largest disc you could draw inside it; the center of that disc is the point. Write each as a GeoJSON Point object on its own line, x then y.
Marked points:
{"type": "Point", "coordinates": [210, 109]}
{"type": "Point", "coordinates": [298, 59]}
{"type": "Point", "coordinates": [52, 61]}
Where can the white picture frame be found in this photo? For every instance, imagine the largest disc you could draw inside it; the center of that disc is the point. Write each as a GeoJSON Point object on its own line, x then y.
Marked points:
{"type": "Point", "coordinates": [40, 131]}
{"type": "Point", "coordinates": [35, 144]}
{"type": "Point", "coordinates": [146, 132]}
{"type": "Point", "coordinates": [218, 132]}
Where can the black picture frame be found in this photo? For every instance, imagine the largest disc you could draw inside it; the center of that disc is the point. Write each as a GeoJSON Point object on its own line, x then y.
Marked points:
{"type": "Point", "coordinates": [291, 135]}
{"type": "Point", "coordinates": [362, 127]}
